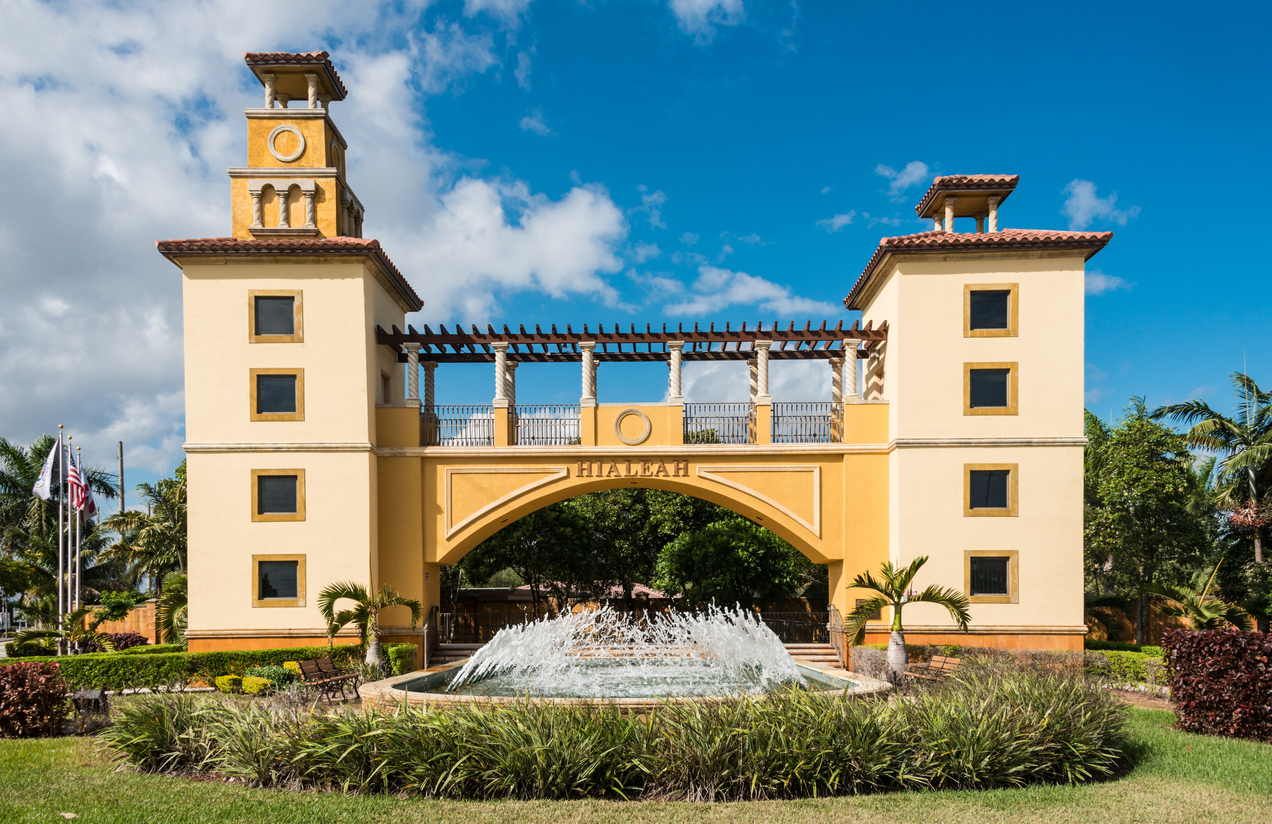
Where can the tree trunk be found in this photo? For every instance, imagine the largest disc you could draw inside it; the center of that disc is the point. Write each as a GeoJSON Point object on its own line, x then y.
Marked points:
{"type": "Point", "coordinates": [1141, 618]}
{"type": "Point", "coordinates": [898, 660]}
{"type": "Point", "coordinates": [1258, 546]}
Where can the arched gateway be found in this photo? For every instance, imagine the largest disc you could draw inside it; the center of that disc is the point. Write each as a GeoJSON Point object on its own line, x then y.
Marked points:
{"type": "Point", "coordinates": [314, 457]}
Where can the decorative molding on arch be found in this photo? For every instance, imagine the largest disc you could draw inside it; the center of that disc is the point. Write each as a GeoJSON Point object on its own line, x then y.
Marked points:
{"type": "Point", "coordinates": [554, 473]}
{"type": "Point", "coordinates": [710, 473]}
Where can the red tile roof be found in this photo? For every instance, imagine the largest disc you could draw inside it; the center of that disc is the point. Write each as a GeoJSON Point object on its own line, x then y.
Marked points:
{"type": "Point", "coordinates": [330, 246]}
{"type": "Point", "coordinates": [299, 59]}
{"type": "Point", "coordinates": [966, 183]}
{"type": "Point", "coordinates": [1008, 240]}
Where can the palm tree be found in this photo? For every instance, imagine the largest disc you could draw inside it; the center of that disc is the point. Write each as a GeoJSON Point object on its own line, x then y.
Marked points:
{"type": "Point", "coordinates": [172, 611]}
{"type": "Point", "coordinates": [1195, 603]}
{"type": "Point", "coordinates": [154, 543]}
{"type": "Point", "coordinates": [365, 614]}
{"type": "Point", "coordinates": [19, 470]}
{"type": "Point", "coordinates": [73, 631]}
{"type": "Point", "coordinates": [1245, 440]}
{"type": "Point", "coordinates": [894, 592]}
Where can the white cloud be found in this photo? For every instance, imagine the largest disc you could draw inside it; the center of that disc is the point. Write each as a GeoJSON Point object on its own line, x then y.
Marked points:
{"type": "Point", "coordinates": [717, 289]}
{"type": "Point", "coordinates": [522, 72]}
{"type": "Point", "coordinates": [642, 252]}
{"type": "Point", "coordinates": [826, 190]}
{"type": "Point", "coordinates": [1097, 283]}
{"type": "Point", "coordinates": [651, 204]}
{"type": "Point", "coordinates": [688, 238]}
{"type": "Point", "coordinates": [1083, 206]}
{"type": "Point", "coordinates": [509, 11]}
{"type": "Point", "coordinates": [915, 172]}
{"type": "Point", "coordinates": [837, 222]}
{"type": "Point", "coordinates": [120, 120]}
{"type": "Point", "coordinates": [533, 122]}
{"type": "Point", "coordinates": [752, 239]}
{"type": "Point", "coordinates": [700, 17]}
{"type": "Point", "coordinates": [656, 287]}
{"type": "Point", "coordinates": [729, 381]}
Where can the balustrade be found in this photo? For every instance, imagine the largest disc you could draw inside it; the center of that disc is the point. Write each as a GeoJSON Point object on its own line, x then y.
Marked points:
{"type": "Point", "coordinates": [547, 425]}
{"type": "Point", "coordinates": [719, 423]}
{"type": "Point", "coordinates": [808, 422]}
{"type": "Point", "coordinates": [458, 425]}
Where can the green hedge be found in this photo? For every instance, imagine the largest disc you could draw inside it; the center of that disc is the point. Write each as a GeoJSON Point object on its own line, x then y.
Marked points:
{"type": "Point", "coordinates": [153, 649]}
{"type": "Point", "coordinates": [175, 670]}
{"type": "Point", "coordinates": [1117, 646]}
{"type": "Point", "coordinates": [1126, 667]}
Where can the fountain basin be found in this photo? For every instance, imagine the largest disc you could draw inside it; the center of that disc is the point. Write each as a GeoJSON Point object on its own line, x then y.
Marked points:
{"type": "Point", "coordinates": [426, 689]}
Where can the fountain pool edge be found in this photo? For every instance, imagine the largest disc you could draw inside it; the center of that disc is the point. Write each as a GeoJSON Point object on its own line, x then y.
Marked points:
{"type": "Point", "coordinates": [387, 694]}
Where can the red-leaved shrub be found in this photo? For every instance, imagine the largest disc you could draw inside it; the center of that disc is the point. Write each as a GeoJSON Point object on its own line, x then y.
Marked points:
{"type": "Point", "coordinates": [121, 640]}
{"type": "Point", "coordinates": [1221, 681]}
{"type": "Point", "coordinates": [32, 700]}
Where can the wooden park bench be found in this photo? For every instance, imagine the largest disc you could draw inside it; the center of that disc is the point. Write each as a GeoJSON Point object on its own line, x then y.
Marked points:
{"type": "Point", "coordinates": [323, 675]}
{"type": "Point", "coordinates": [940, 666]}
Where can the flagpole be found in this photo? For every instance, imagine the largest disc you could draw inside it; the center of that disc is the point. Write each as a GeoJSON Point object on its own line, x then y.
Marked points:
{"type": "Point", "coordinates": [79, 534]}
{"type": "Point", "coordinates": [70, 529]}
{"type": "Point", "coordinates": [61, 493]}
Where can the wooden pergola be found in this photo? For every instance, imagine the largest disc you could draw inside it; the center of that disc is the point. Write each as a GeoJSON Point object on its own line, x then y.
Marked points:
{"type": "Point", "coordinates": [633, 345]}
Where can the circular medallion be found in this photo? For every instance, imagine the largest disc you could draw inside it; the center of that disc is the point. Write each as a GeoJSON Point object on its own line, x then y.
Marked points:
{"type": "Point", "coordinates": [618, 426]}
{"type": "Point", "coordinates": [300, 149]}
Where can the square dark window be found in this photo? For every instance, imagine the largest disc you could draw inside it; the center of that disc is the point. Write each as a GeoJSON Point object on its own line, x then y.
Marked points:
{"type": "Point", "coordinates": [988, 388]}
{"type": "Point", "coordinates": [989, 309]}
{"type": "Point", "coordinates": [989, 576]}
{"type": "Point", "coordinates": [275, 315]}
{"type": "Point", "coordinates": [989, 488]}
{"type": "Point", "coordinates": [275, 394]}
{"type": "Point", "coordinates": [277, 579]}
{"type": "Point", "coordinates": [276, 495]}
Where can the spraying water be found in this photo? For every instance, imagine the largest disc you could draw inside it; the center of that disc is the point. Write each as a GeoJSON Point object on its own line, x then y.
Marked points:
{"type": "Point", "coordinates": [603, 653]}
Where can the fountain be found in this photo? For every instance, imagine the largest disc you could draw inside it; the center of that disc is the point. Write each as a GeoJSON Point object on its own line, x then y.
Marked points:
{"type": "Point", "coordinates": [602, 655]}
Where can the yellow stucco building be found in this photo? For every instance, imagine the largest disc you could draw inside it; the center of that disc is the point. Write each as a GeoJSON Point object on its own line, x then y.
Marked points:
{"type": "Point", "coordinates": [955, 429]}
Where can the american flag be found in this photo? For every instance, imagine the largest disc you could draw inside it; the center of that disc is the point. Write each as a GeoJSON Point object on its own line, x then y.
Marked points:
{"type": "Point", "coordinates": [77, 483]}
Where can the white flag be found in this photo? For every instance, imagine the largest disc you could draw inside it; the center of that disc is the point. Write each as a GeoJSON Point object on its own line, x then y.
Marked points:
{"type": "Point", "coordinates": [44, 486]}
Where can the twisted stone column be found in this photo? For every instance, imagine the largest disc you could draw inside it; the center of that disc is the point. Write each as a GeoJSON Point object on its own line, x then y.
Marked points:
{"type": "Point", "coordinates": [501, 373]}
{"type": "Point", "coordinates": [588, 348]}
{"type": "Point", "coordinates": [753, 374]}
{"type": "Point", "coordinates": [949, 213]}
{"type": "Point", "coordinates": [270, 94]}
{"type": "Point", "coordinates": [993, 213]}
{"type": "Point", "coordinates": [836, 380]}
{"type": "Point", "coordinates": [312, 80]}
{"type": "Point", "coordinates": [311, 211]}
{"type": "Point", "coordinates": [762, 372]}
{"type": "Point", "coordinates": [284, 219]}
{"type": "Point", "coordinates": [851, 393]}
{"type": "Point", "coordinates": [258, 211]}
{"type": "Point", "coordinates": [412, 373]}
{"type": "Point", "coordinates": [512, 383]}
{"type": "Point", "coordinates": [429, 384]}
{"type": "Point", "coordinates": [675, 348]}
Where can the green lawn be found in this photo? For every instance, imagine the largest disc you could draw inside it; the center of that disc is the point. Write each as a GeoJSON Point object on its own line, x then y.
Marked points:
{"type": "Point", "coordinates": [1177, 777]}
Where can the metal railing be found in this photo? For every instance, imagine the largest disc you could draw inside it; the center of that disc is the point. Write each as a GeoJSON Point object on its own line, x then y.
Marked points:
{"type": "Point", "coordinates": [798, 627]}
{"type": "Point", "coordinates": [458, 425]}
{"type": "Point", "coordinates": [808, 422]}
{"type": "Point", "coordinates": [835, 628]}
{"type": "Point", "coordinates": [719, 423]}
{"type": "Point", "coordinates": [547, 424]}
{"type": "Point", "coordinates": [478, 627]}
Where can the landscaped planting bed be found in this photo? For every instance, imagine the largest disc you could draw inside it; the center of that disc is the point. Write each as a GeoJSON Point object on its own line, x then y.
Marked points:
{"type": "Point", "coordinates": [987, 727]}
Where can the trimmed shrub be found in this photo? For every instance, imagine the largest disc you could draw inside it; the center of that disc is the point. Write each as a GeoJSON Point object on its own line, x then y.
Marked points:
{"type": "Point", "coordinates": [229, 683]}
{"type": "Point", "coordinates": [255, 686]}
{"type": "Point", "coordinates": [175, 671]}
{"type": "Point", "coordinates": [1118, 646]}
{"type": "Point", "coordinates": [989, 726]}
{"type": "Point", "coordinates": [1221, 681]}
{"type": "Point", "coordinates": [153, 649]}
{"type": "Point", "coordinates": [281, 676]}
{"type": "Point", "coordinates": [1127, 668]}
{"type": "Point", "coordinates": [292, 666]}
{"type": "Point", "coordinates": [30, 649]}
{"type": "Point", "coordinates": [32, 700]}
{"type": "Point", "coordinates": [401, 658]}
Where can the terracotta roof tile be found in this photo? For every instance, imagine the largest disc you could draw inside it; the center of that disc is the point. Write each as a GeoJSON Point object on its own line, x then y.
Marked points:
{"type": "Point", "coordinates": [965, 183]}
{"type": "Point", "coordinates": [1006, 240]}
{"type": "Point", "coordinates": [298, 59]}
{"type": "Point", "coordinates": [188, 247]}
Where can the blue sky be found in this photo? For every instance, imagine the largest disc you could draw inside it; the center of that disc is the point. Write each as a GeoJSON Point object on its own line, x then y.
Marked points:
{"type": "Point", "coordinates": [540, 161]}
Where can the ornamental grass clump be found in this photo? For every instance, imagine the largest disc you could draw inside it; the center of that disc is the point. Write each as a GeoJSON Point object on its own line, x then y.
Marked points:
{"type": "Point", "coordinates": [990, 726]}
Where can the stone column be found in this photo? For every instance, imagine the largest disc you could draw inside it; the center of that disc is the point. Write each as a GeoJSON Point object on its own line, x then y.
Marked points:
{"type": "Point", "coordinates": [312, 80]}
{"type": "Point", "coordinates": [430, 394]}
{"type": "Point", "coordinates": [258, 210]}
{"type": "Point", "coordinates": [346, 224]}
{"type": "Point", "coordinates": [993, 213]}
{"type": "Point", "coordinates": [412, 373]}
{"type": "Point", "coordinates": [836, 380]}
{"type": "Point", "coordinates": [284, 219]}
{"type": "Point", "coordinates": [762, 372]}
{"type": "Point", "coordinates": [949, 213]}
{"type": "Point", "coordinates": [937, 226]}
{"type": "Point", "coordinates": [512, 383]}
{"type": "Point", "coordinates": [676, 349]}
{"type": "Point", "coordinates": [325, 100]}
{"type": "Point", "coordinates": [283, 100]}
{"type": "Point", "coordinates": [980, 224]}
{"type": "Point", "coordinates": [311, 210]}
{"type": "Point", "coordinates": [753, 373]}
{"type": "Point", "coordinates": [851, 392]}
{"type": "Point", "coordinates": [270, 95]}
{"type": "Point", "coordinates": [357, 224]}
{"type": "Point", "coordinates": [588, 349]}
{"type": "Point", "coordinates": [501, 373]}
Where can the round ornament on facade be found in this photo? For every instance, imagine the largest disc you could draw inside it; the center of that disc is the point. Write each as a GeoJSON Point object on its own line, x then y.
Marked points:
{"type": "Point", "coordinates": [300, 143]}
{"type": "Point", "coordinates": [618, 426]}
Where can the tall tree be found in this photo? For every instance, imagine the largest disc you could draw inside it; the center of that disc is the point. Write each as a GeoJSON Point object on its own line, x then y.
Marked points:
{"type": "Point", "coordinates": [730, 562]}
{"type": "Point", "coordinates": [154, 543]}
{"type": "Point", "coordinates": [1143, 527]}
